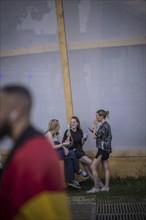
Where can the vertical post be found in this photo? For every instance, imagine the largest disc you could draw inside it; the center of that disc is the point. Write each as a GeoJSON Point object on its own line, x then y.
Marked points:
{"type": "Point", "coordinates": [64, 58]}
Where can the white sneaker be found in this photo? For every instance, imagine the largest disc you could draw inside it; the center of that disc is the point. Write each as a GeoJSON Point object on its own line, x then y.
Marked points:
{"type": "Point", "coordinates": [83, 173]}
{"type": "Point", "coordinates": [77, 183]}
{"type": "Point", "coordinates": [105, 189]}
{"type": "Point", "coordinates": [93, 190]}
{"type": "Point", "coordinates": [100, 183]}
{"type": "Point", "coordinates": [74, 184]}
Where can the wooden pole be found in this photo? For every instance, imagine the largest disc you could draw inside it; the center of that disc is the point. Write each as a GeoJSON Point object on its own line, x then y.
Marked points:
{"type": "Point", "coordinates": [64, 58]}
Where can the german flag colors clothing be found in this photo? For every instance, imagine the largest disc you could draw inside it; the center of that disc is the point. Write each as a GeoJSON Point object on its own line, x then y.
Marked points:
{"type": "Point", "coordinates": [31, 186]}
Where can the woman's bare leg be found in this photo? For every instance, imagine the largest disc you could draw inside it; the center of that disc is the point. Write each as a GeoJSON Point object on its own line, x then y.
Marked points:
{"type": "Point", "coordinates": [86, 162]}
{"type": "Point", "coordinates": [94, 166]}
{"type": "Point", "coordinates": [106, 173]}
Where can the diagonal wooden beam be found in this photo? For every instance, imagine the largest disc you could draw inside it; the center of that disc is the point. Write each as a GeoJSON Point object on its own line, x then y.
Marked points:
{"type": "Point", "coordinates": [64, 58]}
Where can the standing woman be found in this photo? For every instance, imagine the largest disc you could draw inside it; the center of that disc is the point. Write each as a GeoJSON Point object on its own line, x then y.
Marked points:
{"type": "Point", "coordinates": [71, 164]}
{"type": "Point", "coordinates": [76, 137]}
{"type": "Point", "coordinates": [103, 138]}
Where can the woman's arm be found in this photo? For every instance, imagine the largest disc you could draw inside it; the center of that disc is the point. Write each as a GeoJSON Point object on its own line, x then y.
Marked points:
{"type": "Point", "coordinates": [48, 135]}
{"type": "Point", "coordinates": [66, 136]}
{"type": "Point", "coordinates": [84, 139]}
{"type": "Point", "coordinates": [56, 145]}
{"type": "Point", "coordinates": [95, 123]}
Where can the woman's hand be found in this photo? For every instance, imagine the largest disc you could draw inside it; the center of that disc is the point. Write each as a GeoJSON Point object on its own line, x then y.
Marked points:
{"type": "Point", "coordinates": [85, 137]}
{"type": "Point", "coordinates": [66, 143]}
{"type": "Point", "coordinates": [95, 123]}
{"type": "Point", "coordinates": [66, 151]}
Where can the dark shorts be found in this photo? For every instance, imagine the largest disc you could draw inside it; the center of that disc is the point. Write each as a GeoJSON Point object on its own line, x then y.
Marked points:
{"type": "Point", "coordinates": [103, 153]}
{"type": "Point", "coordinates": [79, 152]}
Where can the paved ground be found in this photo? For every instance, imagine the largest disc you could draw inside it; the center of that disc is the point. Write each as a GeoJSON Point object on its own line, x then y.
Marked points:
{"type": "Point", "coordinates": [84, 208]}
{"type": "Point", "coordinates": [111, 209]}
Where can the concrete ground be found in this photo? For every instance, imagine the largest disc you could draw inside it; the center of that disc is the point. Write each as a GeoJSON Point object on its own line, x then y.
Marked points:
{"type": "Point", "coordinates": [92, 208]}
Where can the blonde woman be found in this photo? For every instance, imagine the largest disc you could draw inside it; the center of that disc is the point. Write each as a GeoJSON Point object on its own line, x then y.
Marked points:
{"type": "Point", "coordinates": [71, 164]}
{"type": "Point", "coordinates": [103, 138]}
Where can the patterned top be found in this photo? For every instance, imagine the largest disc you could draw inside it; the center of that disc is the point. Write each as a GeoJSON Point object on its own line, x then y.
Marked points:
{"type": "Point", "coordinates": [104, 137]}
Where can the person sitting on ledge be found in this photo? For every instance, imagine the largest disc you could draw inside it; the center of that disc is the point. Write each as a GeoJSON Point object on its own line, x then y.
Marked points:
{"type": "Point", "coordinates": [71, 163]}
{"type": "Point", "coordinates": [76, 137]}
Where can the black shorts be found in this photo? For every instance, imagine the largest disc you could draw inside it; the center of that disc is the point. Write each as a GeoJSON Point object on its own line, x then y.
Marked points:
{"type": "Point", "coordinates": [79, 152]}
{"type": "Point", "coordinates": [104, 154]}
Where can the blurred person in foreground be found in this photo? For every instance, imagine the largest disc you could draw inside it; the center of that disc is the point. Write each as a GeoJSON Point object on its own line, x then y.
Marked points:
{"type": "Point", "coordinates": [31, 185]}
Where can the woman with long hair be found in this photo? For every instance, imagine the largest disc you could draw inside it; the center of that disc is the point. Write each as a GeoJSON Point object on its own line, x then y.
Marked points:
{"type": "Point", "coordinates": [71, 164]}
{"type": "Point", "coordinates": [75, 135]}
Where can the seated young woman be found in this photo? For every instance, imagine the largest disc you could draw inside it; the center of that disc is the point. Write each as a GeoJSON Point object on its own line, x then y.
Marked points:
{"type": "Point", "coordinates": [71, 164]}
{"type": "Point", "coordinates": [75, 135]}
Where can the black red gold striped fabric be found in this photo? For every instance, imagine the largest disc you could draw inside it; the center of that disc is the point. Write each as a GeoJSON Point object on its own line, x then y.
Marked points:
{"type": "Point", "coordinates": [32, 187]}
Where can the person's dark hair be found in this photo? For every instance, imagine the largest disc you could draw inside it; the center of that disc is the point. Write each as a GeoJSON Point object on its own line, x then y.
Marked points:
{"type": "Point", "coordinates": [103, 113]}
{"type": "Point", "coordinates": [19, 92]}
{"type": "Point", "coordinates": [77, 120]}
